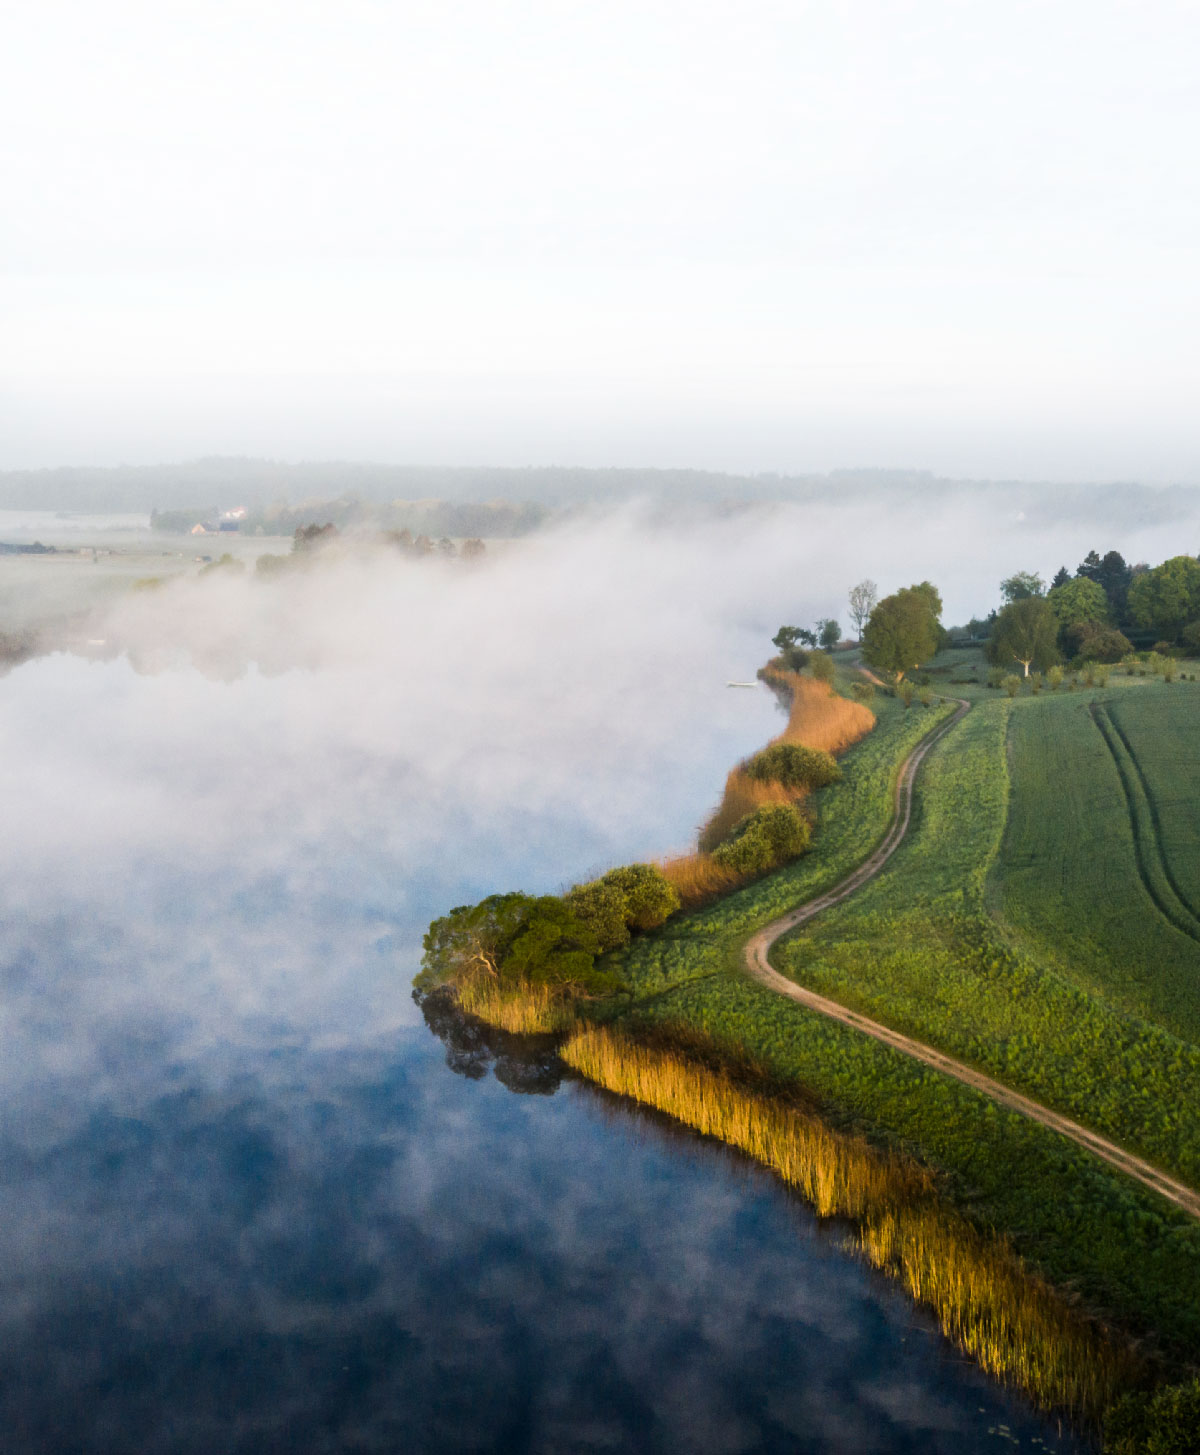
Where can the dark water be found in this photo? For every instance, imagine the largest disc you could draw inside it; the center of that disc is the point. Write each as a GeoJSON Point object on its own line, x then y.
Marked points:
{"type": "Point", "coordinates": [367, 1251]}
{"type": "Point", "coordinates": [249, 1201]}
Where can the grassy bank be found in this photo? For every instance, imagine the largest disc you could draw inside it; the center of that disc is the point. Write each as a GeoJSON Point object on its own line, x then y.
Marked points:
{"type": "Point", "coordinates": [1012, 1322]}
{"type": "Point", "coordinates": [926, 948]}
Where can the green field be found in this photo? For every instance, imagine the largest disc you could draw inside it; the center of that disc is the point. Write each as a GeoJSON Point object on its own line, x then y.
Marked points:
{"type": "Point", "coordinates": [1014, 928]}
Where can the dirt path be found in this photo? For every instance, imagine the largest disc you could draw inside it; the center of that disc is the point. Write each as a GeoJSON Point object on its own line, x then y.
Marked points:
{"type": "Point", "coordinates": [759, 946]}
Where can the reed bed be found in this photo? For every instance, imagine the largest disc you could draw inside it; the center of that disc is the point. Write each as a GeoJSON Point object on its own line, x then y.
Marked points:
{"type": "Point", "coordinates": [818, 717]}
{"type": "Point", "coordinates": [529, 1010]}
{"type": "Point", "coordinates": [698, 879]}
{"type": "Point", "coordinates": [743, 795]}
{"type": "Point", "coordinates": [987, 1301]}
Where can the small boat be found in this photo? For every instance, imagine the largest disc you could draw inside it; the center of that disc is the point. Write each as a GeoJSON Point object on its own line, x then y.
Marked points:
{"type": "Point", "coordinates": [741, 684]}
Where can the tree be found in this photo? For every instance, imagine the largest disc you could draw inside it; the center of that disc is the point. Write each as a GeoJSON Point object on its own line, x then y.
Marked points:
{"type": "Point", "coordinates": [1079, 600]}
{"type": "Point", "coordinates": [510, 938]}
{"type": "Point", "coordinates": [862, 603]}
{"type": "Point", "coordinates": [1026, 631]}
{"type": "Point", "coordinates": [308, 537]}
{"type": "Point", "coordinates": [650, 897]}
{"type": "Point", "coordinates": [829, 632]}
{"type": "Point", "coordinates": [820, 664]}
{"type": "Point", "coordinates": [1114, 576]}
{"type": "Point", "coordinates": [789, 636]}
{"type": "Point", "coordinates": [1168, 597]}
{"type": "Point", "coordinates": [1161, 1422]}
{"type": "Point", "coordinates": [1090, 567]}
{"type": "Point", "coordinates": [1061, 577]}
{"type": "Point", "coordinates": [1093, 641]}
{"type": "Point", "coordinates": [1021, 585]}
{"type": "Point", "coordinates": [903, 630]}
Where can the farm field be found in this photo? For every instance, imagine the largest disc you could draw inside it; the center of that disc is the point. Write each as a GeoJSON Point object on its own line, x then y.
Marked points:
{"type": "Point", "coordinates": [922, 949]}
{"type": "Point", "coordinates": [1073, 882]}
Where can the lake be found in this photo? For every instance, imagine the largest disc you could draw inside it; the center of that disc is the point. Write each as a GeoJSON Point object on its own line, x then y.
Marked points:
{"type": "Point", "coordinates": [251, 1201]}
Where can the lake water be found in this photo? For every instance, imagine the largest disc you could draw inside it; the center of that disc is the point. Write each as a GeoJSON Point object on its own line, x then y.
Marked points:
{"type": "Point", "coordinates": [250, 1201]}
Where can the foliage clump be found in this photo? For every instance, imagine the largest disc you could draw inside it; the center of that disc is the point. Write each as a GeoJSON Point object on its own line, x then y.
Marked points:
{"type": "Point", "coordinates": [765, 840]}
{"type": "Point", "coordinates": [904, 630]}
{"type": "Point", "coordinates": [512, 939]}
{"type": "Point", "coordinates": [1166, 1422]}
{"type": "Point", "coordinates": [795, 766]}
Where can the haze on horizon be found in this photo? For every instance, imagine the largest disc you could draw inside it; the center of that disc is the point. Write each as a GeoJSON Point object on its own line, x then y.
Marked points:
{"type": "Point", "coordinates": [777, 237]}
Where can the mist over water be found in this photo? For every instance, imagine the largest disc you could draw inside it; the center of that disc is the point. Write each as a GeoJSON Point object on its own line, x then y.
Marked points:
{"type": "Point", "coordinates": [245, 1204]}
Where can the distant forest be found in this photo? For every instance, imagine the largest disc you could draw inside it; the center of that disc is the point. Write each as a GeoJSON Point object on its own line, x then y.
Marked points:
{"type": "Point", "coordinates": [435, 499]}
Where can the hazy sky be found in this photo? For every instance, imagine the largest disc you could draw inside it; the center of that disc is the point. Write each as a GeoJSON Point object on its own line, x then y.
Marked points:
{"type": "Point", "coordinates": [749, 236]}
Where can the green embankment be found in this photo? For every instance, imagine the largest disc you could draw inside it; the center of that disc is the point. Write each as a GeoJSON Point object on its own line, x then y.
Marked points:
{"type": "Point", "coordinates": [918, 949]}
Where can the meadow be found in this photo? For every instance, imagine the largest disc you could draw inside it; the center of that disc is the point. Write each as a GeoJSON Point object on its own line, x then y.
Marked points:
{"type": "Point", "coordinates": [981, 936]}
{"type": "Point", "coordinates": [1100, 856]}
{"type": "Point", "coordinates": [925, 948]}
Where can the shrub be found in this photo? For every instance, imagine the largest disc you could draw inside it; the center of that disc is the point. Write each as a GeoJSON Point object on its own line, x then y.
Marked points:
{"type": "Point", "coordinates": [634, 897]}
{"type": "Point", "coordinates": [926, 697]}
{"type": "Point", "coordinates": [1095, 643]}
{"type": "Point", "coordinates": [1055, 678]}
{"type": "Point", "coordinates": [907, 693]}
{"type": "Point", "coordinates": [794, 766]}
{"type": "Point", "coordinates": [863, 691]}
{"type": "Point", "coordinates": [601, 907]}
{"type": "Point", "coordinates": [1012, 684]}
{"type": "Point", "coordinates": [1190, 637]}
{"type": "Point", "coordinates": [1035, 682]}
{"type": "Point", "coordinates": [996, 676]}
{"type": "Point", "coordinates": [820, 664]}
{"type": "Point", "coordinates": [1163, 1423]}
{"type": "Point", "coordinates": [1102, 676]}
{"type": "Point", "coordinates": [1162, 648]}
{"type": "Point", "coordinates": [649, 897]}
{"type": "Point", "coordinates": [764, 841]}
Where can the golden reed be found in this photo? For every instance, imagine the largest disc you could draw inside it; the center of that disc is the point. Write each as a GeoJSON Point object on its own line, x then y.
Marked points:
{"type": "Point", "coordinates": [992, 1306]}
{"type": "Point", "coordinates": [817, 718]}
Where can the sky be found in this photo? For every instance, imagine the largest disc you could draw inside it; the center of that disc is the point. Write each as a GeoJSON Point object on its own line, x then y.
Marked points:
{"type": "Point", "coordinates": [754, 237]}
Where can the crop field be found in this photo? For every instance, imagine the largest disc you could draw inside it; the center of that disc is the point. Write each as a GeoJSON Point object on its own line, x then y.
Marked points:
{"type": "Point", "coordinates": [917, 949]}
{"type": "Point", "coordinates": [1099, 870]}
{"type": "Point", "coordinates": [969, 941]}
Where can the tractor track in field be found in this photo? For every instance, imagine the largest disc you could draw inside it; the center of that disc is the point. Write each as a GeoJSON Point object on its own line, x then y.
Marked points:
{"type": "Point", "coordinates": [1172, 903]}
{"type": "Point", "coordinates": [757, 952]}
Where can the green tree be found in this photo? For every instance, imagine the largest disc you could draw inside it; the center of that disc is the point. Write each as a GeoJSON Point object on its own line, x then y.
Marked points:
{"type": "Point", "coordinates": [1061, 577]}
{"type": "Point", "coordinates": [820, 664]}
{"type": "Point", "coordinates": [1026, 631]}
{"type": "Point", "coordinates": [829, 632]}
{"type": "Point", "coordinates": [510, 938]}
{"type": "Point", "coordinates": [1093, 641]}
{"type": "Point", "coordinates": [650, 898]}
{"type": "Point", "coordinates": [862, 603]}
{"type": "Point", "coordinates": [1021, 585]}
{"type": "Point", "coordinates": [1078, 600]}
{"type": "Point", "coordinates": [1166, 1422]}
{"type": "Point", "coordinates": [794, 766]}
{"type": "Point", "coordinates": [903, 630]}
{"type": "Point", "coordinates": [602, 908]}
{"type": "Point", "coordinates": [788, 637]}
{"type": "Point", "coordinates": [764, 840]}
{"type": "Point", "coordinates": [1166, 598]}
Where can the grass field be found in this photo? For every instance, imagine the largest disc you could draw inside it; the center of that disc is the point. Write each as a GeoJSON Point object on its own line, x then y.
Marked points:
{"type": "Point", "coordinates": [1109, 908]}
{"type": "Point", "coordinates": [928, 948]}
{"type": "Point", "coordinates": [1035, 923]}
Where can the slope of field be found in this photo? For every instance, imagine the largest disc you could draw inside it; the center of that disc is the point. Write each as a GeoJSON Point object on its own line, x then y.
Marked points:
{"type": "Point", "coordinates": [1096, 834]}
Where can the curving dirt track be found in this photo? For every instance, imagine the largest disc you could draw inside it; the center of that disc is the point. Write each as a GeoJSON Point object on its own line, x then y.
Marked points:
{"type": "Point", "coordinates": [758, 949]}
